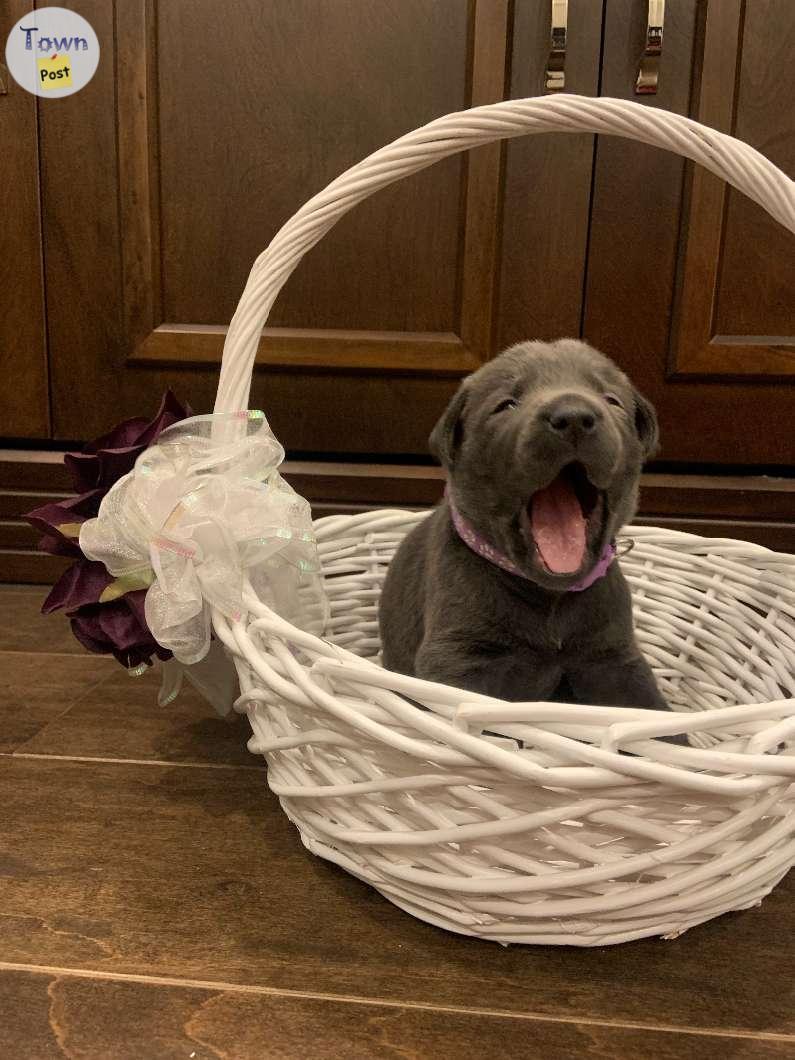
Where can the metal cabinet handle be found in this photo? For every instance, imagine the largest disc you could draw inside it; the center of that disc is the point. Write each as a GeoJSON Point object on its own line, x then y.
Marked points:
{"type": "Point", "coordinates": [649, 68]}
{"type": "Point", "coordinates": [555, 76]}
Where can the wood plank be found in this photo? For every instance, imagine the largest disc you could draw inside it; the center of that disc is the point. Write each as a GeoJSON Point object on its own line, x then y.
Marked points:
{"type": "Point", "coordinates": [35, 689]}
{"type": "Point", "coordinates": [120, 718]}
{"type": "Point", "coordinates": [135, 40]}
{"type": "Point", "coordinates": [724, 496]}
{"type": "Point", "coordinates": [23, 628]}
{"type": "Point", "coordinates": [14, 504]}
{"type": "Point", "coordinates": [44, 1015]}
{"type": "Point", "coordinates": [196, 873]}
{"type": "Point", "coordinates": [24, 396]}
{"type": "Point", "coordinates": [483, 168]}
{"type": "Point", "coordinates": [30, 568]}
{"type": "Point", "coordinates": [423, 353]}
{"type": "Point", "coordinates": [57, 698]}
{"type": "Point", "coordinates": [15, 534]}
{"type": "Point", "coordinates": [778, 536]}
{"type": "Point", "coordinates": [757, 508]}
{"type": "Point", "coordinates": [548, 179]}
{"type": "Point", "coordinates": [33, 469]}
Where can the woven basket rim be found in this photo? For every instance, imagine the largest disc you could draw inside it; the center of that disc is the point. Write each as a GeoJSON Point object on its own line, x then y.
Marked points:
{"type": "Point", "coordinates": [474, 708]}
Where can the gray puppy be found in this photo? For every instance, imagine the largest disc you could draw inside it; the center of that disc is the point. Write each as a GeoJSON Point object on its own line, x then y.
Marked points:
{"type": "Point", "coordinates": [543, 448]}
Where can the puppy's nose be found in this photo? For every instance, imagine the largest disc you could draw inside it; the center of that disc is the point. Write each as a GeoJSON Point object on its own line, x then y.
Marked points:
{"type": "Point", "coordinates": [571, 417]}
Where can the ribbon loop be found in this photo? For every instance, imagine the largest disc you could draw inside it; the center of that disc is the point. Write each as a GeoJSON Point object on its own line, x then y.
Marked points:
{"type": "Point", "coordinates": [204, 511]}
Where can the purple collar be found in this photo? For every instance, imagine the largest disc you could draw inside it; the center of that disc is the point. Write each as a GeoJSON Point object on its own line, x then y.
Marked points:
{"type": "Point", "coordinates": [481, 546]}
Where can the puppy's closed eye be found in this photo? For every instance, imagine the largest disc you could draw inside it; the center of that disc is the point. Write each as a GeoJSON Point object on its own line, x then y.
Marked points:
{"type": "Point", "coordinates": [507, 403]}
{"type": "Point", "coordinates": [611, 399]}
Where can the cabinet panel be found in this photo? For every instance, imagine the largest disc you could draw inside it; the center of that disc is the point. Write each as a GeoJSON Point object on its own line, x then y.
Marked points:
{"type": "Point", "coordinates": [665, 262]}
{"type": "Point", "coordinates": [293, 91]}
{"type": "Point", "coordinates": [737, 304]}
{"type": "Point", "coordinates": [547, 185]}
{"type": "Point", "coordinates": [227, 119]}
{"type": "Point", "coordinates": [24, 400]}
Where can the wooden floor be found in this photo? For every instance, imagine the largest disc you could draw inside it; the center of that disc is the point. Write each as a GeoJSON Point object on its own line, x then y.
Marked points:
{"type": "Point", "coordinates": [155, 903]}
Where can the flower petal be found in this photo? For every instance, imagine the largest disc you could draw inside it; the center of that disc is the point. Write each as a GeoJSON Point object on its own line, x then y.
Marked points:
{"type": "Point", "coordinates": [60, 522]}
{"type": "Point", "coordinates": [106, 459]}
{"type": "Point", "coordinates": [80, 584]}
{"type": "Point", "coordinates": [120, 625]}
{"type": "Point", "coordinates": [83, 469]}
{"type": "Point", "coordinates": [171, 411]}
{"type": "Point", "coordinates": [124, 434]}
{"type": "Point", "coordinates": [58, 546]}
{"type": "Point", "coordinates": [136, 602]}
{"type": "Point", "coordinates": [85, 629]}
{"type": "Point", "coordinates": [114, 463]}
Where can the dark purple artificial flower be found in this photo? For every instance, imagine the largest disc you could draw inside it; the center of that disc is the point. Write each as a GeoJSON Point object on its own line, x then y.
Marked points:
{"type": "Point", "coordinates": [104, 461]}
{"type": "Point", "coordinates": [118, 627]}
{"type": "Point", "coordinates": [107, 613]}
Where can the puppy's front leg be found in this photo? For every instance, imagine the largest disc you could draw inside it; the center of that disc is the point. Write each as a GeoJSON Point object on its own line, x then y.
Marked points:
{"type": "Point", "coordinates": [616, 681]}
{"type": "Point", "coordinates": [620, 682]}
{"type": "Point", "coordinates": [487, 668]}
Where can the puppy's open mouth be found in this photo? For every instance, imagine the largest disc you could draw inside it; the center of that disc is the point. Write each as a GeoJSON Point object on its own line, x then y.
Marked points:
{"type": "Point", "coordinates": [564, 519]}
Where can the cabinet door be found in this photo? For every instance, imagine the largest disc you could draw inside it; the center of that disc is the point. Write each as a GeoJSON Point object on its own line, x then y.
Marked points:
{"type": "Point", "coordinates": [690, 285]}
{"type": "Point", "coordinates": [547, 184]}
{"type": "Point", "coordinates": [205, 127]}
{"type": "Point", "coordinates": [24, 405]}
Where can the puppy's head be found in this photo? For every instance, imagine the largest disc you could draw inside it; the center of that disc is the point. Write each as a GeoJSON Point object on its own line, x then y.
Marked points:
{"type": "Point", "coordinates": [544, 447]}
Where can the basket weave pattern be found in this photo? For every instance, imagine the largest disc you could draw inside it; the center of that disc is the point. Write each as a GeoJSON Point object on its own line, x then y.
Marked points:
{"type": "Point", "coordinates": [536, 822]}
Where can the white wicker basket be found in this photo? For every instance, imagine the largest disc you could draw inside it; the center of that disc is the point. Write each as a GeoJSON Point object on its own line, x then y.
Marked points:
{"type": "Point", "coordinates": [526, 822]}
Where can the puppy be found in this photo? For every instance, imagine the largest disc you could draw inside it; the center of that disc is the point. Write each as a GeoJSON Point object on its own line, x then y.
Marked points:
{"type": "Point", "coordinates": [511, 586]}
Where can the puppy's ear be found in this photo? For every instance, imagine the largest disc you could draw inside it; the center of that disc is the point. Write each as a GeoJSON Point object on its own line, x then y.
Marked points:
{"type": "Point", "coordinates": [447, 435]}
{"type": "Point", "coordinates": [646, 424]}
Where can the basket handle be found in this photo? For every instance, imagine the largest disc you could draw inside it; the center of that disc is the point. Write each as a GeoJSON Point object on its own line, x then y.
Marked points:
{"type": "Point", "coordinates": [732, 160]}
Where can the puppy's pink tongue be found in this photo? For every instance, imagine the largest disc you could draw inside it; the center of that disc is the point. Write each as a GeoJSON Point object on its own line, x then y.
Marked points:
{"type": "Point", "coordinates": [558, 527]}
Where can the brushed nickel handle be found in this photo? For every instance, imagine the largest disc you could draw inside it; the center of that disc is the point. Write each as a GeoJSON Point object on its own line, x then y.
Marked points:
{"type": "Point", "coordinates": [649, 68]}
{"type": "Point", "coordinates": [555, 77]}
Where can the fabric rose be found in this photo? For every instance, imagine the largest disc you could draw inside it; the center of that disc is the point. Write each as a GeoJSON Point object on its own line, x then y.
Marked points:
{"type": "Point", "coordinates": [106, 613]}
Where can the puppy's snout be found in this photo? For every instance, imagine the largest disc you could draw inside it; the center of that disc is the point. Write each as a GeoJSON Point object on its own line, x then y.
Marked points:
{"type": "Point", "coordinates": [570, 417]}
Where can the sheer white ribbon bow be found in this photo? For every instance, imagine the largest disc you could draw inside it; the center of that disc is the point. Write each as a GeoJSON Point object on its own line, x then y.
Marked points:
{"type": "Point", "coordinates": [203, 514]}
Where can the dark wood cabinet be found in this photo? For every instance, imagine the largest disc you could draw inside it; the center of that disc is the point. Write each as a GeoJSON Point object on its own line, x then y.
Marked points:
{"type": "Point", "coordinates": [207, 125]}
{"type": "Point", "coordinates": [24, 399]}
{"type": "Point", "coordinates": [690, 285]}
{"type": "Point", "coordinates": [201, 164]}
{"type": "Point", "coordinates": [545, 215]}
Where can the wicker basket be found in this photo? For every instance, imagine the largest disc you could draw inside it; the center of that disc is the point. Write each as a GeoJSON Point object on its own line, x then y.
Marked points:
{"type": "Point", "coordinates": [534, 822]}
